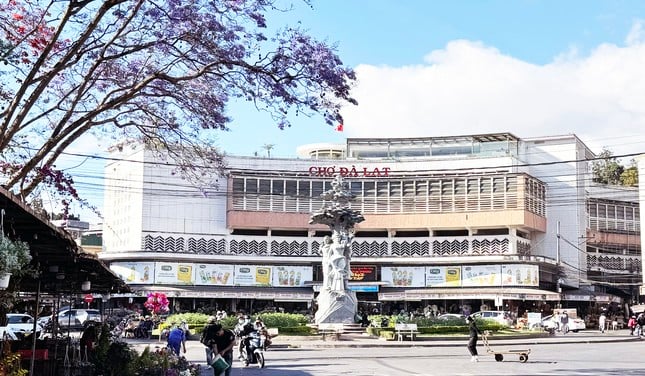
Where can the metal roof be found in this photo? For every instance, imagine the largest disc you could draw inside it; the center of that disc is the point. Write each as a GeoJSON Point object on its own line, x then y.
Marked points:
{"type": "Point", "coordinates": [53, 247]}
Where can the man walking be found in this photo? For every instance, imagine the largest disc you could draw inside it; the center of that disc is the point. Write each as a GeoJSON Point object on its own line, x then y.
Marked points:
{"type": "Point", "coordinates": [208, 338]}
{"type": "Point", "coordinates": [564, 320]}
{"type": "Point", "coordinates": [602, 322]}
{"type": "Point", "coordinates": [223, 345]}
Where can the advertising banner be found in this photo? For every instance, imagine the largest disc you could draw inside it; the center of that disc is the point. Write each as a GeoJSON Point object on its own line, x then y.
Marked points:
{"type": "Point", "coordinates": [252, 275]}
{"type": "Point", "coordinates": [363, 273]}
{"type": "Point", "coordinates": [404, 276]}
{"type": "Point", "coordinates": [174, 273]}
{"type": "Point", "coordinates": [134, 272]}
{"type": "Point", "coordinates": [481, 275]}
{"type": "Point", "coordinates": [290, 276]}
{"type": "Point", "coordinates": [443, 276]}
{"type": "Point", "coordinates": [214, 274]}
{"type": "Point", "coordinates": [520, 275]}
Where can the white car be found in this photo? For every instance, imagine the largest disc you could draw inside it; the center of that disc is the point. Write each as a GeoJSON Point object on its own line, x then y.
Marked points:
{"type": "Point", "coordinates": [502, 317]}
{"type": "Point", "coordinates": [574, 325]}
{"type": "Point", "coordinates": [78, 318]}
{"type": "Point", "coordinates": [452, 316]}
{"type": "Point", "coordinates": [22, 323]}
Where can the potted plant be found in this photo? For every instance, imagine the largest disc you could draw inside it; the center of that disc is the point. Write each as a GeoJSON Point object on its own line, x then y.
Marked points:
{"type": "Point", "coordinates": [14, 256]}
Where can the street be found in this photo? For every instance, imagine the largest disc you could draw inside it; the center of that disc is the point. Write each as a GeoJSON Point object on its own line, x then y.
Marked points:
{"type": "Point", "coordinates": [617, 358]}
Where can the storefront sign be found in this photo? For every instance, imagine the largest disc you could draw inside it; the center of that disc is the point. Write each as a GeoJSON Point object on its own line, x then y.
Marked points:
{"type": "Point", "coordinates": [353, 171]}
{"type": "Point", "coordinates": [404, 276]}
{"type": "Point", "coordinates": [174, 273]}
{"type": "Point", "coordinates": [366, 273]}
{"type": "Point", "coordinates": [481, 275]}
{"type": "Point", "coordinates": [443, 276]}
{"type": "Point", "coordinates": [252, 275]}
{"type": "Point", "coordinates": [364, 288]}
{"type": "Point", "coordinates": [290, 276]}
{"type": "Point", "coordinates": [214, 274]}
{"type": "Point", "coordinates": [134, 272]}
{"type": "Point", "coordinates": [520, 275]}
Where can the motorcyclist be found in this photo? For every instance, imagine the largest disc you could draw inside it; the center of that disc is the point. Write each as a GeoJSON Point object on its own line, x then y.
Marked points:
{"type": "Point", "coordinates": [243, 328]}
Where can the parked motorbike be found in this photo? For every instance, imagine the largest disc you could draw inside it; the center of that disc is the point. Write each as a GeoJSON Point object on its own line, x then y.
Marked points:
{"type": "Point", "coordinates": [253, 346]}
{"type": "Point", "coordinates": [119, 329]}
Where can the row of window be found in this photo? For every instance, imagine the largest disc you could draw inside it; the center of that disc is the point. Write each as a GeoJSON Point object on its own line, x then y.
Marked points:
{"type": "Point", "coordinates": [613, 216]}
{"type": "Point", "coordinates": [395, 195]}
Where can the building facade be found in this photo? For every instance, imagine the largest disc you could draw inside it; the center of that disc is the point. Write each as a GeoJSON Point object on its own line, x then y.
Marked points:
{"type": "Point", "coordinates": [453, 223]}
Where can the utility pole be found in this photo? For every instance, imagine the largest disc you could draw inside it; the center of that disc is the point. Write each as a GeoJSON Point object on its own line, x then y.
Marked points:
{"type": "Point", "coordinates": [557, 263]}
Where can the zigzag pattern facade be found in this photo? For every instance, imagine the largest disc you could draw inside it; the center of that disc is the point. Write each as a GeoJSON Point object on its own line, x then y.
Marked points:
{"type": "Point", "coordinates": [309, 248]}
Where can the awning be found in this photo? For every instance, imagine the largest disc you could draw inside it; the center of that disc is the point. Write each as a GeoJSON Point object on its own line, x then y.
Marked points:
{"type": "Point", "coordinates": [283, 294]}
{"type": "Point", "coordinates": [590, 296]}
{"type": "Point", "coordinates": [62, 263]}
{"type": "Point", "coordinates": [510, 293]}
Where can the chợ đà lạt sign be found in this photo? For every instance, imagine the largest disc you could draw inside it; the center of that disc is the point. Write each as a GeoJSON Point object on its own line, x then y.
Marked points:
{"type": "Point", "coordinates": [353, 171]}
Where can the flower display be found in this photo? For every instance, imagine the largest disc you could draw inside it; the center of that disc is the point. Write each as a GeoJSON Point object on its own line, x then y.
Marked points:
{"type": "Point", "coordinates": [157, 303]}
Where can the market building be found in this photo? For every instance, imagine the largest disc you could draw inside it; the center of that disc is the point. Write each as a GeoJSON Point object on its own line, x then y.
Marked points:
{"type": "Point", "coordinates": [461, 222]}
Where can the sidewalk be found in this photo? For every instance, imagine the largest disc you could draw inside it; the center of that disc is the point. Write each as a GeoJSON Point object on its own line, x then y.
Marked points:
{"type": "Point", "coordinates": [363, 340]}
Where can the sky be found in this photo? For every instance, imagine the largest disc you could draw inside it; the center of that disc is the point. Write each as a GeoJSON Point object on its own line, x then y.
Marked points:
{"type": "Point", "coordinates": [445, 68]}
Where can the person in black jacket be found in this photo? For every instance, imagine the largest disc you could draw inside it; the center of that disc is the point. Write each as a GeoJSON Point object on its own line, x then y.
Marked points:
{"type": "Point", "coordinates": [472, 338]}
{"type": "Point", "coordinates": [208, 338]}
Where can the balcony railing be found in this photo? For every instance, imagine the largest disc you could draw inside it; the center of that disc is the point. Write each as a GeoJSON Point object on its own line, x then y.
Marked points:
{"type": "Point", "coordinates": [613, 263]}
{"type": "Point", "coordinates": [361, 247]}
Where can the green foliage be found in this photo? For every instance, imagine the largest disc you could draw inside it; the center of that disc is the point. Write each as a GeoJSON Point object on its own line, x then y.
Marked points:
{"type": "Point", "coordinates": [159, 363]}
{"type": "Point", "coordinates": [430, 325]}
{"type": "Point", "coordinates": [120, 356]}
{"type": "Point", "coordinates": [606, 170]}
{"type": "Point", "coordinates": [297, 330]}
{"type": "Point", "coordinates": [14, 255]}
{"type": "Point", "coordinates": [629, 177]}
{"type": "Point", "coordinates": [101, 359]}
{"type": "Point", "coordinates": [283, 320]}
{"type": "Point", "coordinates": [286, 322]}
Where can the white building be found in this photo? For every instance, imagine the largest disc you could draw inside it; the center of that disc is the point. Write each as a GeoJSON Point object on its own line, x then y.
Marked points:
{"type": "Point", "coordinates": [473, 220]}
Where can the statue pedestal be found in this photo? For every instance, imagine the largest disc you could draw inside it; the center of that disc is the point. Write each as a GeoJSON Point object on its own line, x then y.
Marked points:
{"type": "Point", "coordinates": [338, 307]}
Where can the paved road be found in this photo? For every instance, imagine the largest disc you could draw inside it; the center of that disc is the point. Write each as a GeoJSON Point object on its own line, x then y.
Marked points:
{"type": "Point", "coordinates": [586, 357]}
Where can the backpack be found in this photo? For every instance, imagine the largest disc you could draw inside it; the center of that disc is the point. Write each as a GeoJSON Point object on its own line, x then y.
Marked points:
{"type": "Point", "coordinates": [207, 336]}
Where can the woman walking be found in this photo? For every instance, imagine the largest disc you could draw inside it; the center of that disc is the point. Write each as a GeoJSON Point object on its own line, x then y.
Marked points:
{"type": "Point", "coordinates": [472, 339]}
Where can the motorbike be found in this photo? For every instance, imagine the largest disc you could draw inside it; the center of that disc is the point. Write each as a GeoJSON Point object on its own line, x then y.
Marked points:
{"type": "Point", "coordinates": [253, 350]}
{"type": "Point", "coordinates": [265, 339]}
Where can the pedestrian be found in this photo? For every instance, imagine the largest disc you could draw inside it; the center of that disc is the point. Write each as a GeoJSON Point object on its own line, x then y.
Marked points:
{"type": "Point", "coordinates": [88, 341]}
{"type": "Point", "coordinates": [564, 321]}
{"type": "Point", "coordinates": [184, 326]}
{"type": "Point", "coordinates": [640, 324]}
{"type": "Point", "coordinates": [208, 338]}
{"type": "Point", "coordinates": [472, 338]}
{"type": "Point", "coordinates": [223, 345]}
{"type": "Point", "coordinates": [631, 324]}
{"type": "Point", "coordinates": [602, 322]}
{"type": "Point", "coordinates": [177, 340]}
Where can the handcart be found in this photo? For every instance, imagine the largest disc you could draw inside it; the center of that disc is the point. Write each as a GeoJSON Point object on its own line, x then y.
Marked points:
{"type": "Point", "coordinates": [499, 355]}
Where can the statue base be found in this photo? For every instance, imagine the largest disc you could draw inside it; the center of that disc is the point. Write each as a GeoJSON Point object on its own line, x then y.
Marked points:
{"type": "Point", "coordinates": [337, 307]}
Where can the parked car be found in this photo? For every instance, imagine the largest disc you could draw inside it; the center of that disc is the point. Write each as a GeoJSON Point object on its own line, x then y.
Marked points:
{"type": "Point", "coordinates": [452, 316]}
{"type": "Point", "coordinates": [502, 317]}
{"type": "Point", "coordinates": [575, 324]}
{"type": "Point", "coordinates": [21, 323]}
{"type": "Point", "coordinates": [78, 318]}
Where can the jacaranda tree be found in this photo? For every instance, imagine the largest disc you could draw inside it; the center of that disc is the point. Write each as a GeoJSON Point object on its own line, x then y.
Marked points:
{"type": "Point", "coordinates": [155, 71]}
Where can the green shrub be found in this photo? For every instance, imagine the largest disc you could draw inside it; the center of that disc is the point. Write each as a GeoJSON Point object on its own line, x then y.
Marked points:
{"type": "Point", "coordinates": [387, 334]}
{"type": "Point", "coordinates": [300, 330]}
